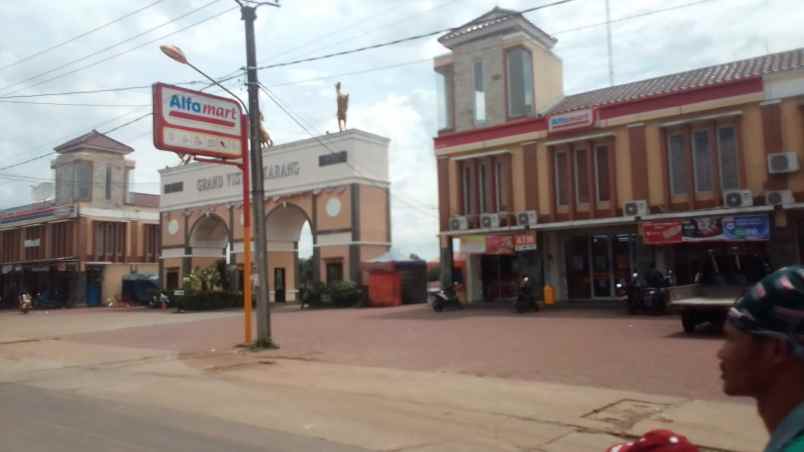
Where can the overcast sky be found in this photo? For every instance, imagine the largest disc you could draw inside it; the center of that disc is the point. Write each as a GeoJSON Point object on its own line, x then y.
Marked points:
{"type": "Point", "coordinates": [397, 102]}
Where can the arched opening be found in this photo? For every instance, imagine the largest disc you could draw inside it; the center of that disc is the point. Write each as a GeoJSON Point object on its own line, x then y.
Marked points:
{"type": "Point", "coordinates": [290, 250]}
{"type": "Point", "coordinates": [209, 241]}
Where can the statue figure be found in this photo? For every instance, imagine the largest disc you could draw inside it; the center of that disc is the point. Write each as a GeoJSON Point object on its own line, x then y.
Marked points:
{"type": "Point", "coordinates": [265, 137]}
{"type": "Point", "coordinates": [343, 106]}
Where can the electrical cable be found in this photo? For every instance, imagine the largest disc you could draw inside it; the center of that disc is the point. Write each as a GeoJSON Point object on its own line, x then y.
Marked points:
{"type": "Point", "coordinates": [82, 35]}
{"type": "Point", "coordinates": [299, 122]}
{"type": "Point", "coordinates": [95, 63]}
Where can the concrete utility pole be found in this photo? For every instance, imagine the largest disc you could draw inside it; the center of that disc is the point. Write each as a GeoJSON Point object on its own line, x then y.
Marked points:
{"type": "Point", "coordinates": [248, 13]}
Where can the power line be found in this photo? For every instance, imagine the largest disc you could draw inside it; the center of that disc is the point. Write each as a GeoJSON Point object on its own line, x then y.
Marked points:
{"type": "Point", "coordinates": [110, 47]}
{"type": "Point", "coordinates": [50, 153]}
{"type": "Point", "coordinates": [4, 101]}
{"type": "Point", "coordinates": [346, 74]}
{"type": "Point", "coordinates": [403, 40]}
{"type": "Point", "coordinates": [634, 16]}
{"type": "Point", "coordinates": [87, 66]}
{"type": "Point", "coordinates": [236, 73]}
{"type": "Point", "coordinates": [82, 35]}
{"type": "Point", "coordinates": [328, 43]}
{"type": "Point", "coordinates": [137, 119]}
{"type": "Point", "coordinates": [316, 137]}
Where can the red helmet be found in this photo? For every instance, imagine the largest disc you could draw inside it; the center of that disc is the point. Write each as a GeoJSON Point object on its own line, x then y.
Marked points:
{"type": "Point", "coordinates": [656, 441]}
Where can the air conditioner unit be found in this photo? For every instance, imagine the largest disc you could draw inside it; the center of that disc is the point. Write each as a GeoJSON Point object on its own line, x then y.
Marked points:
{"type": "Point", "coordinates": [527, 218]}
{"type": "Point", "coordinates": [779, 198]}
{"type": "Point", "coordinates": [489, 221]}
{"type": "Point", "coordinates": [638, 208]}
{"type": "Point", "coordinates": [782, 163]}
{"type": "Point", "coordinates": [458, 224]}
{"type": "Point", "coordinates": [738, 198]}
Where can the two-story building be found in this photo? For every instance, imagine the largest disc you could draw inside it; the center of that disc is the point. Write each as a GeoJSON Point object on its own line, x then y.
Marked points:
{"type": "Point", "coordinates": [77, 242]}
{"type": "Point", "coordinates": [688, 170]}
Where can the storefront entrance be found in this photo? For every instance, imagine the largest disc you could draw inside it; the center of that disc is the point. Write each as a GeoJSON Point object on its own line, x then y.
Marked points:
{"type": "Point", "coordinates": [597, 264]}
{"type": "Point", "coordinates": [499, 279]}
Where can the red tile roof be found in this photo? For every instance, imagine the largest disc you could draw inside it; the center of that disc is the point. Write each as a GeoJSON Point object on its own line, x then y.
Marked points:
{"type": "Point", "coordinates": [145, 200]}
{"type": "Point", "coordinates": [684, 81]}
{"type": "Point", "coordinates": [94, 140]}
{"type": "Point", "coordinates": [496, 16]}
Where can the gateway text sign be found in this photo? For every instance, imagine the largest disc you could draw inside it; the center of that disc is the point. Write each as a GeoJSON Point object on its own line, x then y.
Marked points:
{"type": "Point", "coordinates": [196, 123]}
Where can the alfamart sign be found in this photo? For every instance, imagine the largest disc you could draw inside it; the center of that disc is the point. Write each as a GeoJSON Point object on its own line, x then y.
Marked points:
{"type": "Point", "coordinates": [580, 119]}
{"type": "Point", "coordinates": [197, 123]}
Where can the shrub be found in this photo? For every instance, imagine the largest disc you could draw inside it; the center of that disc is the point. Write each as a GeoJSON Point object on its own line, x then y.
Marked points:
{"type": "Point", "coordinates": [208, 301]}
{"type": "Point", "coordinates": [203, 279]}
{"type": "Point", "coordinates": [315, 295]}
{"type": "Point", "coordinates": [345, 294]}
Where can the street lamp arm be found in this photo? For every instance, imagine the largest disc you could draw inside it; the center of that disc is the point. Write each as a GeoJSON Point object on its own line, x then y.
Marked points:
{"type": "Point", "coordinates": [215, 82]}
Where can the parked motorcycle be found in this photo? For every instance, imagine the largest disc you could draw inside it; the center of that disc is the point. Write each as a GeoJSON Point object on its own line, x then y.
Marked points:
{"type": "Point", "coordinates": [645, 292]}
{"type": "Point", "coordinates": [525, 301]}
{"type": "Point", "coordinates": [446, 298]}
{"type": "Point", "coordinates": [25, 303]}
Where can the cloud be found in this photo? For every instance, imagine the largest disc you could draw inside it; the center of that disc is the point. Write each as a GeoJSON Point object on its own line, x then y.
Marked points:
{"type": "Point", "coordinates": [397, 102]}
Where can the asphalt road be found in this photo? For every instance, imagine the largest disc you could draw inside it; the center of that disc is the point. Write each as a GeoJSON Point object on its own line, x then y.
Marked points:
{"type": "Point", "coordinates": [37, 420]}
{"type": "Point", "coordinates": [588, 347]}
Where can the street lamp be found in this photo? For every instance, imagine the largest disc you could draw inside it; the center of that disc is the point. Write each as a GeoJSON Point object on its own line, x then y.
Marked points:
{"type": "Point", "coordinates": [263, 318]}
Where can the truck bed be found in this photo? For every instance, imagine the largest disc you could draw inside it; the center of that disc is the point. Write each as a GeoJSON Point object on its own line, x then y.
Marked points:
{"type": "Point", "coordinates": [698, 295]}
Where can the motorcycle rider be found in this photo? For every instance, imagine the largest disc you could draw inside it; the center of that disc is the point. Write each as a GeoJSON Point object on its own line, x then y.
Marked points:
{"type": "Point", "coordinates": [653, 277]}
{"type": "Point", "coordinates": [763, 355]}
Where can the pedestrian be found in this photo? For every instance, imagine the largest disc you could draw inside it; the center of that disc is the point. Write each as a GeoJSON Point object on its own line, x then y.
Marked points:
{"type": "Point", "coordinates": [763, 355]}
{"type": "Point", "coordinates": [656, 441]}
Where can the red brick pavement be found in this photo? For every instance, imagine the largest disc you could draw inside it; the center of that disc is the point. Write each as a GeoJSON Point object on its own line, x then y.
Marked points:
{"type": "Point", "coordinates": [585, 347]}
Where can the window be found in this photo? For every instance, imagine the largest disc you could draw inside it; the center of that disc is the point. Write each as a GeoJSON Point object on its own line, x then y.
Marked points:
{"type": "Point", "coordinates": [108, 183]}
{"type": "Point", "coordinates": [129, 184]}
{"type": "Point", "coordinates": [83, 178]}
{"type": "Point", "coordinates": [151, 242]}
{"type": "Point", "coordinates": [602, 182]}
{"type": "Point", "coordinates": [61, 239]}
{"type": "Point", "coordinates": [581, 176]}
{"type": "Point", "coordinates": [729, 164]}
{"type": "Point", "coordinates": [444, 93]}
{"type": "Point", "coordinates": [480, 93]}
{"type": "Point", "coordinates": [562, 184]}
{"type": "Point", "coordinates": [520, 82]}
{"type": "Point", "coordinates": [467, 189]}
{"type": "Point", "coordinates": [110, 240]}
{"type": "Point", "coordinates": [679, 172]}
{"type": "Point", "coordinates": [11, 245]}
{"type": "Point", "coordinates": [498, 185]}
{"type": "Point", "coordinates": [702, 161]}
{"type": "Point", "coordinates": [483, 188]}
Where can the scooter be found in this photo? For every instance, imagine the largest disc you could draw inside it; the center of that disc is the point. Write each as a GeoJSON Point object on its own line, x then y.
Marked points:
{"type": "Point", "coordinates": [525, 301]}
{"type": "Point", "coordinates": [642, 296]}
{"type": "Point", "coordinates": [26, 304]}
{"type": "Point", "coordinates": [446, 298]}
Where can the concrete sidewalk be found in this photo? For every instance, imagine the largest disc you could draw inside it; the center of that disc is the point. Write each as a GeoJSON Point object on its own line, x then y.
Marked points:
{"type": "Point", "coordinates": [375, 408]}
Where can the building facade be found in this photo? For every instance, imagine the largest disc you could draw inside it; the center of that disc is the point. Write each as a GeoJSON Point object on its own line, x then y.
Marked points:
{"type": "Point", "coordinates": [694, 169]}
{"type": "Point", "coordinates": [337, 183]}
{"type": "Point", "coordinates": [75, 243]}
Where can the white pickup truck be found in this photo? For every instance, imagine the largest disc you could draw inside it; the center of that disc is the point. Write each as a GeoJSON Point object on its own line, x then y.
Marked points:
{"type": "Point", "coordinates": [700, 303]}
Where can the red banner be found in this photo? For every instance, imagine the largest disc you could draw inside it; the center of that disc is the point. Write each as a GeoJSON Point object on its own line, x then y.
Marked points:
{"type": "Point", "coordinates": [662, 233]}
{"type": "Point", "coordinates": [525, 242]}
{"type": "Point", "coordinates": [500, 244]}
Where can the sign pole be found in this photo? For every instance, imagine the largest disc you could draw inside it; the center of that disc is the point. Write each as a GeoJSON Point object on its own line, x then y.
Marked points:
{"type": "Point", "coordinates": [246, 250]}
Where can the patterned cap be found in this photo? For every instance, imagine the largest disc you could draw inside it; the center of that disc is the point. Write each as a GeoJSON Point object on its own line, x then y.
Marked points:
{"type": "Point", "coordinates": [773, 305]}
